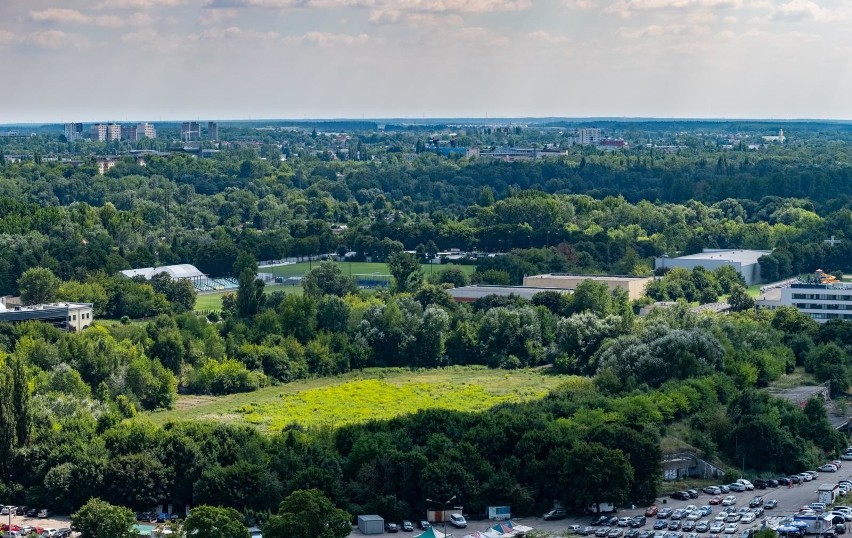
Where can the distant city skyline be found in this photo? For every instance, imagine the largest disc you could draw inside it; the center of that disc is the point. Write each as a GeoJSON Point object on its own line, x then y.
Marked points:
{"type": "Point", "coordinates": [175, 60]}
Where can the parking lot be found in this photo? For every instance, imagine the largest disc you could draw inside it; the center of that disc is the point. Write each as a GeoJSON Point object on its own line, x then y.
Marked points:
{"type": "Point", "coordinates": [53, 522]}
{"type": "Point", "coordinates": [790, 499]}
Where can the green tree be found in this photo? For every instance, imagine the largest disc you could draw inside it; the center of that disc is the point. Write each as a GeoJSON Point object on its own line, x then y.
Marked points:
{"type": "Point", "coordinates": [250, 296]}
{"type": "Point", "coordinates": [38, 286]}
{"type": "Point", "coordinates": [215, 522]}
{"type": "Point", "coordinates": [739, 299]}
{"type": "Point", "coordinates": [328, 279]}
{"type": "Point", "coordinates": [591, 296]}
{"type": "Point", "coordinates": [100, 519]}
{"type": "Point", "coordinates": [21, 402]}
{"type": "Point", "coordinates": [308, 514]}
{"type": "Point", "coordinates": [7, 421]}
{"type": "Point", "coordinates": [597, 474]}
{"type": "Point", "coordinates": [405, 269]}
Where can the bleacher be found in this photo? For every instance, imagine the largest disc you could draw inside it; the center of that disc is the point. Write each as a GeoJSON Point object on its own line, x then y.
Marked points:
{"type": "Point", "coordinates": [215, 284]}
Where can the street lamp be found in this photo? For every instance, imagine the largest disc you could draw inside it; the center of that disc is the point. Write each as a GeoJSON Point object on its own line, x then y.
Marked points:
{"type": "Point", "coordinates": [444, 515]}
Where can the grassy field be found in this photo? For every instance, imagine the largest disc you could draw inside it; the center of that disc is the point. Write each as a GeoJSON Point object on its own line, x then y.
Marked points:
{"type": "Point", "coordinates": [370, 394]}
{"type": "Point", "coordinates": [213, 301]}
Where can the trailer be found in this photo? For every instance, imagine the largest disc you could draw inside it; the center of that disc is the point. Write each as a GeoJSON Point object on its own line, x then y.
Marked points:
{"type": "Point", "coordinates": [827, 493]}
{"type": "Point", "coordinates": [814, 524]}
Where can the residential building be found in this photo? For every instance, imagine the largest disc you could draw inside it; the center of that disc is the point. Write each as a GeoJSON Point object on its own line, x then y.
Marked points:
{"type": "Point", "coordinates": [104, 132]}
{"type": "Point", "coordinates": [73, 131]}
{"type": "Point", "coordinates": [106, 163]}
{"type": "Point", "coordinates": [129, 132]}
{"type": "Point", "coordinates": [190, 131]}
{"type": "Point", "coordinates": [146, 130]}
{"type": "Point", "coordinates": [823, 299]}
{"type": "Point", "coordinates": [633, 285]}
{"type": "Point", "coordinates": [213, 130]}
{"type": "Point", "coordinates": [66, 316]}
{"type": "Point", "coordinates": [744, 261]}
{"type": "Point", "coordinates": [587, 136]}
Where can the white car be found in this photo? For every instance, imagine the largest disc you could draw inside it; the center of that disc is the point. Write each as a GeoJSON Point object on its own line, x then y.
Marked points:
{"type": "Point", "coordinates": [458, 521]}
{"type": "Point", "coordinates": [748, 485]}
{"type": "Point", "coordinates": [748, 518]}
{"type": "Point", "coordinates": [730, 500]}
{"type": "Point", "coordinates": [717, 527]}
{"type": "Point", "coordinates": [731, 528]}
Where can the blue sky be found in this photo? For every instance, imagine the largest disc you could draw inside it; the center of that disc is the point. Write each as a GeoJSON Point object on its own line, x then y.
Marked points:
{"type": "Point", "coordinates": [88, 60]}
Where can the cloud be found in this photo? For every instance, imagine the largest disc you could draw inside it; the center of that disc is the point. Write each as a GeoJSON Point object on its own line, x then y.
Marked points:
{"type": "Point", "coordinates": [234, 32]}
{"type": "Point", "coordinates": [139, 4]}
{"type": "Point", "coordinates": [7, 38]}
{"type": "Point", "coordinates": [73, 16]}
{"type": "Point", "coordinates": [385, 16]}
{"type": "Point", "coordinates": [45, 39]}
{"type": "Point", "coordinates": [439, 6]}
{"type": "Point", "coordinates": [327, 39]}
{"type": "Point", "coordinates": [549, 38]}
{"type": "Point", "coordinates": [656, 30]}
{"type": "Point", "coordinates": [805, 10]}
{"type": "Point", "coordinates": [215, 16]}
{"type": "Point", "coordinates": [626, 8]}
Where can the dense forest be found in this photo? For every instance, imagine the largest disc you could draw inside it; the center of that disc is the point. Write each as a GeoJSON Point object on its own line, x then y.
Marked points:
{"type": "Point", "coordinates": [74, 404]}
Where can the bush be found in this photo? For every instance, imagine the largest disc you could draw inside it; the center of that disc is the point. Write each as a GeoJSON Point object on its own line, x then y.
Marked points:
{"type": "Point", "coordinates": [224, 377]}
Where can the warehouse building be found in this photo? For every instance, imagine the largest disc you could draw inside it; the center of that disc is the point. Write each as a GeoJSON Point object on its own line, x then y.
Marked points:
{"type": "Point", "coordinates": [634, 285]}
{"type": "Point", "coordinates": [744, 261]}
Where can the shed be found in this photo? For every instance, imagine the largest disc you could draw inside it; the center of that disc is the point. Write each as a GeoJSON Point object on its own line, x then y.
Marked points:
{"type": "Point", "coordinates": [371, 524]}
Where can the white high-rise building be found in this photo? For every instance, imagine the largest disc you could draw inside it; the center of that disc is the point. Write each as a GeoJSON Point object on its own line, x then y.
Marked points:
{"type": "Point", "coordinates": [146, 130]}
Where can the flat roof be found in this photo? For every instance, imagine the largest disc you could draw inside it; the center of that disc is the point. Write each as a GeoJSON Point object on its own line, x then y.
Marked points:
{"type": "Point", "coordinates": [741, 256]}
{"type": "Point", "coordinates": [47, 307]}
{"type": "Point", "coordinates": [478, 292]}
{"type": "Point", "coordinates": [617, 278]}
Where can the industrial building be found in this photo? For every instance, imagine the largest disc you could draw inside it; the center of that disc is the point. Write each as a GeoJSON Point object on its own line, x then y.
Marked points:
{"type": "Point", "coordinates": [183, 271]}
{"type": "Point", "coordinates": [469, 294]}
{"type": "Point", "coordinates": [634, 285]}
{"type": "Point", "coordinates": [744, 261]}
{"type": "Point", "coordinates": [71, 317]}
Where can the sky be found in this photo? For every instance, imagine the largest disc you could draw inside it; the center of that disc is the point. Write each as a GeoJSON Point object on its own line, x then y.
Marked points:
{"type": "Point", "coordinates": [158, 60]}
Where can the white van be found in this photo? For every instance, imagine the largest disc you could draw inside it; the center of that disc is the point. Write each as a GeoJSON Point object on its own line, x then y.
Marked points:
{"type": "Point", "coordinates": [748, 485]}
{"type": "Point", "coordinates": [606, 508]}
{"type": "Point", "coordinates": [458, 521]}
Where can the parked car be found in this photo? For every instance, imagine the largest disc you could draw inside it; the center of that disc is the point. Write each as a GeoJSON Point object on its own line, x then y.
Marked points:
{"type": "Point", "coordinates": [733, 517]}
{"type": "Point", "coordinates": [772, 483]}
{"type": "Point", "coordinates": [674, 524]}
{"type": "Point", "coordinates": [746, 483]}
{"type": "Point", "coordinates": [827, 468]}
{"type": "Point", "coordinates": [724, 488]}
{"type": "Point", "coordinates": [730, 500]}
{"type": "Point", "coordinates": [664, 513]}
{"type": "Point", "coordinates": [602, 532]}
{"type": "Point", "coordinates": [660, 524]}
{"type": "Point", "coordinates": [688, 526]}
{"type": "Point", "coordinates": [64, 532]}
{"type": "Point", "coordinates": [32, 512]}
{"type": "Point", "coordinates": [680, 496]}
{"type": "Point", "coordinates": [652, 511]}
{"type": "Point", "coordinates": [632, 533]}
{"type": "Point", "coordinates": [424, 525]}
{"type": "Point", "coordinates": [712, 490]}
{"type": "Point", "coordinates": [760, 483]}
{"type": "Point", "coordinates": [737, 487]}
{"type": "Point", "coordinates": [770, 504]}
{"type": "Point", "coordinates": [715, 500]}
{"type": "Point", "coordinates": [693, 494]}
{"type": "Point", "coordinates": [21, 510]}
{"type": "Point", "coordinates": [598, 521]}
{"type": "Point", "coordinates": [756, 501]}
{"type": "Point", "coordinates": [623, 522]}
{"type": "Point", "coordinates": [717, 527]}
{"type": "Point", "coordinates": [840, 528]}
{"type": "Point", "coordinates": [391, 527]}
{"type": "Point", "coordinates": [847, 456]}
{"type": "Point", "coordinates": [638, 521]}
{"type": "Point", "coordinates": [407, 526]}
{"type": "Point", "coordinates": [43, 513]}
{"type": "Point", "coordinates": [615, 533]}
{"type": "Point", "coordinates": [702, 526]}
{"type": "Point", "coordinates": [585, 531]}
{"type": "Point", "coordinates": [758, 511]}
{"type": "Point", "coordinates": [795, 479]}
{"type": "Point", "coordinates": [748, 518]}
{"type": "Point", "coordinates": [705, 510]}
{"type": "Point", "coordinates": [554, 514]}
{"type": "Point", "coordinates": [731, 528]}
{"type": "Point", "coordinates": [458, 521]}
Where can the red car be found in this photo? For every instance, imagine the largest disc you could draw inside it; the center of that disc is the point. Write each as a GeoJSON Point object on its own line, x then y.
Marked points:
{"type": "Point", "coordinates": [651, 511]}
{"type": "Point", "coordinates": [716, 500]}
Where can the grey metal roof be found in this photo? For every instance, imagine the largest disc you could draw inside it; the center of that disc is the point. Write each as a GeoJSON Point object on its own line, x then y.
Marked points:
{"type": "Point", "coordinates": [741, 256]}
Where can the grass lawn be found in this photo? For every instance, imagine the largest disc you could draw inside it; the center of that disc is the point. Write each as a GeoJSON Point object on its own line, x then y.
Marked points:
{"type": "Point", "coordinates": [353, 268]}
{"type": "Point", "coordinates": [357, 397]}
{"type": "Point", "coordinates": [213, 301]}
{"type": "Point", "coordinates": [754, 290]}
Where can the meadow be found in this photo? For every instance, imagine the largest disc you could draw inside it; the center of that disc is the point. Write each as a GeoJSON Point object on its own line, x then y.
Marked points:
{"type": "Point", "coordinates": [371, 394]}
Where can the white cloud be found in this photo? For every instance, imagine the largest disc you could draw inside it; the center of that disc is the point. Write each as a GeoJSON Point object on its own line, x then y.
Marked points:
{"type": "Point", "coordinates": [549, 38]}
{"type": "Point", "coordinates": [139, 4]}
{"type": "Point", "coordinates": [215, 16]}
{"type": "Point", "coordinates": [385, 16]}
{"type": "Point", "coordinates": [579, 4]}
{"type": "Point", "coordinates": [626, 8]}
{"type": "Point", "coordinates": [7, 37]}
{"type": "Point", "coordinates": [805, 10]}
{"type": "Point", "coordinates": [73, 16]}
{"type": "Point", "coordinates": [462, 6]}
{"type": "Point", "coordinates": [327, 39]}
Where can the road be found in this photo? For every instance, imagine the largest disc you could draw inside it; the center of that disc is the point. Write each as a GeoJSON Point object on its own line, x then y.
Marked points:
{"type": "Point", "coordinates": [789, 502]}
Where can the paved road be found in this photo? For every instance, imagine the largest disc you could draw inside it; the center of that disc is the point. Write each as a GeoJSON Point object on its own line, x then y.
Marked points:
{"type": "Point", "coordinates": [789, 502]}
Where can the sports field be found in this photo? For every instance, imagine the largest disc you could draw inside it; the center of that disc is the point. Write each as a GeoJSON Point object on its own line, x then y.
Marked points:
{"type": "Point", "coordinates": [378, 394]}
{"type": "Point", "coordinates": [213, 301]}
